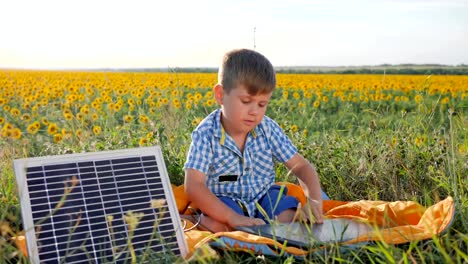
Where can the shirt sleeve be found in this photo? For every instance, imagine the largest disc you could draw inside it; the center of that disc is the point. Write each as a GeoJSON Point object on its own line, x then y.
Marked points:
{"type": "Point", "coordinates": [282, 147]}
{"type": "Point", "coordinates": [200, 154]}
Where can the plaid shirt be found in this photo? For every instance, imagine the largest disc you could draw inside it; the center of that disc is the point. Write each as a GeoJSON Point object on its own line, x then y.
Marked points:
{"type": "Point", "coordinates": [244, 177]}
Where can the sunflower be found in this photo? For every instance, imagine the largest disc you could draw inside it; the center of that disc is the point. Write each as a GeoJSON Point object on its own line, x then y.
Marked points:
{"type": "Point", "coordinates": [143, 119]}
{"type": "Point", "coordinates": [78, 133]}
{"type": "Point", "coordinates": [97, 130]}
{"type": "Point", "coordinates": [68, 116]}
{"type": "Point", "coordinates": [196, 121]}
{"type": "Point", "coordinates": [26, 117]}
{"type": "Point", "coordinates": [127, 118]}
{"type": "Point", "coordinates": [143, 141]}
{"type": "Point", "coordinates": [33, 128]}
{"type": "Point", "coordinates": [317, 104]}
{"type": "Point", "coordinates": [15, 112]}
{"type": "Point", "coordinates": [16, 133]}
{"type": "Point", "coordinates": [209, 103]}
{"type": "Point", "coordinates": [80, 116]}
{"type": "Point", "coordinates": [294, 128]}
{"type": "Point", "coordinates": [58, 137]}
{"type": "Point", "coordinates": [52, 129]}
{"type": "Point", "coordinates": [45, 121]}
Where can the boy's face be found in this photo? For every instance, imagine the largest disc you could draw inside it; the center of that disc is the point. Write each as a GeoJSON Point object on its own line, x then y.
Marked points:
{"type": "Point", "coordinates": [241, 111]}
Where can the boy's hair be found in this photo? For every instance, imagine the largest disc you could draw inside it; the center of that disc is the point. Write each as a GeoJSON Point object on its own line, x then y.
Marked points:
{"type": "Point", "coordinates": [248, 68]}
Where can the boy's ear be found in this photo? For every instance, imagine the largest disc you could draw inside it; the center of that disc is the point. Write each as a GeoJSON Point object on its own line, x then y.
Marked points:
{"type": "Point", "coordinates": [218, 93]}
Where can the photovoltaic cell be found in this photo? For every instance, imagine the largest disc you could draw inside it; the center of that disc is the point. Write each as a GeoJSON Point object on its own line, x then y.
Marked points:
{"type": "Point", "coordinates": [98, 207]}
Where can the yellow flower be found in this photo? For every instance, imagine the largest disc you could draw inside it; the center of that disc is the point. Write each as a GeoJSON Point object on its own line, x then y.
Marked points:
{"type": "Point", "coordinates": [325, 99]}
{"type": "Point", "coordinates": [210, 103]}
{"type": "Point", "coordinates": [2, 120]}
{"type": "Point", "coordinates": [80, 116]}
{"type": "Point", "coordinates": [296, 95]}
{"type": "Point", "coordinates": [196, 121]}
{"type": "Point", "coordinates": [65, 132]}
{"type": "Point", "coordinates": [78, 133]}
{"type": "Point", "coordinates": [294, 128]}
{"type": "Point", "coordinates": [128, 118]}
{"type": "Point", "coordinates": [198, 96]}
{"type": "Point", "coordinates": [418, 98]}
{"type": "Point", "coordinates": [417, 141]}
{"type": "Point", "coordinates": [209, 95]}
{"type": "Point", "coordinates": [143, 141]}
{"type": "Point", "coordinates": [94, 116]}
{"type": "Point", "coordinates": [52, 129]}
{"type": "Point", "coordinates": [6, 133]}
{"type": "Point", "coordinates": [7, 126]}
{"type": "Point", "coordinates": [16, 133]}
{"type": "Point", "coordinates": [117, 107]}
{"type": "Point", "coordinates": [143, 119]}
{"type": "Point", "coordinates": [84, 109]}
{"type": "Point", "coordinates": [15, 112]}
{"type": "Point", "coordinates": [175, 93]}
{"type": "Point", "coordinates": [443, 101]}
{"type": "Point", "coordinates": [26, 117]}
{"type": "Point", "coordinates": [97, 130]}
{"type": "Point", "coordinates": [45, 121]}
{"type": "Point", "coordinates": [33, 128]}
{"type": "Point", "coordinates": [58, 137]}
{"type": "Point", "coordinates": [177, 105]}
{"type": "Point", "coordinates": [317, 104]}
{"type": "Point", "coordinates": [68, 116]}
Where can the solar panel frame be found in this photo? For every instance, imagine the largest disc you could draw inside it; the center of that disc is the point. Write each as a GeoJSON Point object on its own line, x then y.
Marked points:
{"type": "Point", "coordinates": [22, 165]}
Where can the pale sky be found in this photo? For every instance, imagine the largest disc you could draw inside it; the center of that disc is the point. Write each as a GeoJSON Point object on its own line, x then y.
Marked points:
{"type": "Point", "coordinates": [50, 34]}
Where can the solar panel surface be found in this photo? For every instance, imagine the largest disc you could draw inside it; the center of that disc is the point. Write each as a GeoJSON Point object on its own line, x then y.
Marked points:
{"type": "Point", "coordinates": [98, 207]}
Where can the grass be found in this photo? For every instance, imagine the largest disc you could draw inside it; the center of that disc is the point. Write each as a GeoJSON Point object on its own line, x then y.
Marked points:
{"type": "Point", "coordinates": [374, 150]}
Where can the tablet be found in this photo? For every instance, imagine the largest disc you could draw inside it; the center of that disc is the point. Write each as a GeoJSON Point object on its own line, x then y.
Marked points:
{"type": "Point", "coordinates": [310, 235]}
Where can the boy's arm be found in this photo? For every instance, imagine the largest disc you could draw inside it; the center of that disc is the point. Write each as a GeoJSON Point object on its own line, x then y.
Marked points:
{"type": "Point", "coordinates": [310, 183]}
{"type": "Point", "coordinates": [209, 204]}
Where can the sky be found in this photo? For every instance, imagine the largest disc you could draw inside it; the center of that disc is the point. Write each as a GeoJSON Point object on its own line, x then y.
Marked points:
{"type": "Point", "coordinates": [55, 34]}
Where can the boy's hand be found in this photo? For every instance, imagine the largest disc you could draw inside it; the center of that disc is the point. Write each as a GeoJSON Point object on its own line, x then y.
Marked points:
{"type": "Point", "coordinates": [311, 211]}
{"type": "Point", "coordinates": [240, 220]}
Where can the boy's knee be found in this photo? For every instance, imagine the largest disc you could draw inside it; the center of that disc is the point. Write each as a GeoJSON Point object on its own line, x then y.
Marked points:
{"type": "Point", "coordinates": [286, 216]}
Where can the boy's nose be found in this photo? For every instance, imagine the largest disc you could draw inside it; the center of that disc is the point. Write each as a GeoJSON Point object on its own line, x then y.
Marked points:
{"type": "Point", "coordinates": [253, 110]}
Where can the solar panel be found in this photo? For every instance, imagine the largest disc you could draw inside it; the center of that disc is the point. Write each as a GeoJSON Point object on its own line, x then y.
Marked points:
{"type": "Point", "coordinates": [101, 207]}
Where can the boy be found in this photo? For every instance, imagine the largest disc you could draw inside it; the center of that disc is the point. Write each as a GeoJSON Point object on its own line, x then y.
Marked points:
{"type": "Point", "coordinates": [229, 169]}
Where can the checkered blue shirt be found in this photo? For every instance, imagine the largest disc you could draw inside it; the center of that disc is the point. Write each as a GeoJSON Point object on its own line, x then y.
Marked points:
{"type": "Point", "coordinates": [215, 153]}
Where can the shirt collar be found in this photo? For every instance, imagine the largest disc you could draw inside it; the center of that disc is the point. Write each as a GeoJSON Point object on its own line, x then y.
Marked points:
{"type": "Point", "coordinates": [220, 133]}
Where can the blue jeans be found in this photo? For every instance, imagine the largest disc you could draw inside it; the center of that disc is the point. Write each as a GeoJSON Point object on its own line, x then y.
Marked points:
{"type": "Point", "coordinates": [269, 202]}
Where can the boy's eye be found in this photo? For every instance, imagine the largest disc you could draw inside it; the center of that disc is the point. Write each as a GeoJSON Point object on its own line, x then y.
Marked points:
{"type": "Point", "coordinates": [245, 101]}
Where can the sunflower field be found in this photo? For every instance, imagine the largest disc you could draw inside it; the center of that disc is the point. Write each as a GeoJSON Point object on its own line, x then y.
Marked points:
{"type": "Point", "coordinates": [377, 137]}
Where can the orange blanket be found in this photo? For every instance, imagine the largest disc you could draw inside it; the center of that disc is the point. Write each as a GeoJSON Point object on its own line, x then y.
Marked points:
{"type": "Point", "coordinates": [396, 222]}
